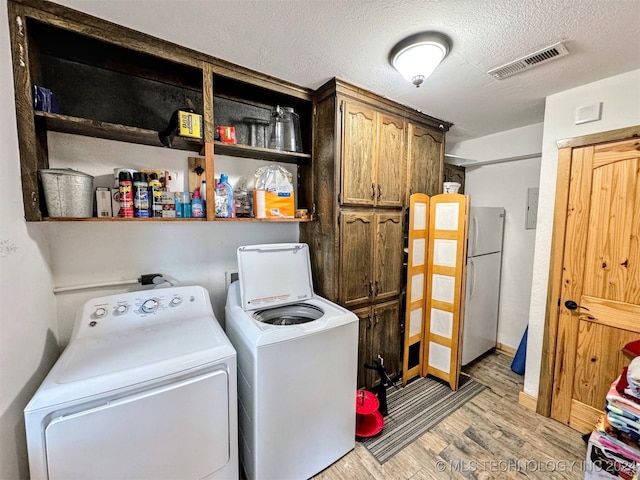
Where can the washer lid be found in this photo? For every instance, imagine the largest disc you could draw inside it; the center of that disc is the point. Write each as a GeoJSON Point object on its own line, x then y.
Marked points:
{"type": "Point", "coordinates": [274, 274]}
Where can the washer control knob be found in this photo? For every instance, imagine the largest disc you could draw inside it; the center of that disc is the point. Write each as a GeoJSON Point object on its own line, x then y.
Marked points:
{"type": "Point", "coordinates": [150, 306]}
{"type": "Point", "coordinates": [100, 312]}
{"type": "Point", "coordinates": [122, 309]}
{"type": "Point", "coordinates": [175, 301]}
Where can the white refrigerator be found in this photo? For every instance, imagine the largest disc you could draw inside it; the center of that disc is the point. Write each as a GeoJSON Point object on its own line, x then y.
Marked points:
{"type": "Point", "coordinates": [482, 295]}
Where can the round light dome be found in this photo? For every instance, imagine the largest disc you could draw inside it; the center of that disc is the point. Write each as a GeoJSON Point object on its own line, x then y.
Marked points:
{"type": "Point", "coordinates": [416, 57]}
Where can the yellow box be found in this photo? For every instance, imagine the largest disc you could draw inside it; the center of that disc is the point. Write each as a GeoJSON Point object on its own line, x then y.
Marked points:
{"type": "Point", "coordinates": [189, 124]}
{"type": "Point", "coordinates": [273, 204]}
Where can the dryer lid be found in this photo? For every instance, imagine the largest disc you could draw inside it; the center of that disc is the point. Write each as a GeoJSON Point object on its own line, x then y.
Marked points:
{"type": "Point", "coordinates": [274, 274]}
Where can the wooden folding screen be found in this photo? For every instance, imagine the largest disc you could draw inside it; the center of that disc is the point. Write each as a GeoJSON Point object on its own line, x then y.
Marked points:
{"type": "Point", "coordinates": [435, 286]}
{"type": "Point", "coordinates": [416, 286]}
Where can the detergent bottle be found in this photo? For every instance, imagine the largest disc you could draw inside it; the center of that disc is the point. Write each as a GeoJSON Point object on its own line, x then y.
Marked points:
{"type": "Point", "coordinates": [225, 206]}
{"type": "Point", "coordinates": [197, 205]}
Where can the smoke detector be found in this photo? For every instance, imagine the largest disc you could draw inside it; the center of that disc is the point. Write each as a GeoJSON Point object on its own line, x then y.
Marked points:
{"type": "Point", "coordinates": [534, 59]}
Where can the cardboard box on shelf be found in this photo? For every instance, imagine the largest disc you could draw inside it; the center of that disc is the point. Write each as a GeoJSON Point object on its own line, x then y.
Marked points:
{"type": "Point", "coordinates": [168, 205]}
{"type": "Point", "coordinates": [103, 202]}
{"type": "Point", "coordinates": [189, 124]}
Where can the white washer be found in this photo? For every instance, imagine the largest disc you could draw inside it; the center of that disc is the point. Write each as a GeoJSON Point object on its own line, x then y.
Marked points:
{"type": "Point", "coordinates": [297, 365]}
{"type": "Point", "coordinates": [146, 389]}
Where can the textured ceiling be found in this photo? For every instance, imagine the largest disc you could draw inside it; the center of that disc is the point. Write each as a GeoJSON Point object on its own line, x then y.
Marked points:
{"type": "Point", "coordinates": [309, 41]}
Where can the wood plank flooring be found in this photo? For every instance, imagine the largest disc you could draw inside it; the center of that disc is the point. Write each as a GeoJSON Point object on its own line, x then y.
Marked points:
{"type": "Point", "coordinates": [490, 437]}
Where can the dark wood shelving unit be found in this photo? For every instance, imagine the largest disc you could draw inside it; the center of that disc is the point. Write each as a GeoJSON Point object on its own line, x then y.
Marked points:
{"type": "Point", "coordinates": [117, 84]}
{"type": "Point", "coordinates": [165, 219]}
{"type": "Point", "coordinates": [247, 151]}
{"type": "Point", "coordinates": [93, 128]}
{"type": "Point", "coordinates": [276, 220]}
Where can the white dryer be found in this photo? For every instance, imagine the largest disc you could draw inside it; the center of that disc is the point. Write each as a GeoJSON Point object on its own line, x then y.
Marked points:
{"type": "Point", "coordinates": [297, 365]}
{"type": "Point", "coordinates": [146, 389]}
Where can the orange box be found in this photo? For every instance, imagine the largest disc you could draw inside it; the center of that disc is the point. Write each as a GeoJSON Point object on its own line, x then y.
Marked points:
{"type": "Point", "coordinates": [273, 204]}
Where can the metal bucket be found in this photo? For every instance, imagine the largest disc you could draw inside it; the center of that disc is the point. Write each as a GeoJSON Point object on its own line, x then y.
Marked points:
{"type": "Point", "coordinates": [67, 192]}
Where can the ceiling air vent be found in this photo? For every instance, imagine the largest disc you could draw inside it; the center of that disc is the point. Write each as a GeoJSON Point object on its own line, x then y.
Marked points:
{"type": "Point", "coordinates": [528, 61]}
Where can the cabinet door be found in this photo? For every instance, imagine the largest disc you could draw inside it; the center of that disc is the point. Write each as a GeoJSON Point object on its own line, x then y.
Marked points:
{"type": "Point", "coordinates": [356, 259]}
{"type": "Point", "coordinates": [385, 333]}
{"type": "Point", "coordinates": [390, 162]}
{"type": "Point", "coordinates": [387, 279]}
{"type": "Point", "coordinates": [425, 160]}
{"type": "Point", "coordinates": [358, 155]}
{"type": "Point", "coordinates": [366, 376]}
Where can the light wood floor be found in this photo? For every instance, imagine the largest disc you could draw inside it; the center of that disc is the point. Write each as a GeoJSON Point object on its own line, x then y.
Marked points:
{"type": "Point", "coordinates": [490, 437]}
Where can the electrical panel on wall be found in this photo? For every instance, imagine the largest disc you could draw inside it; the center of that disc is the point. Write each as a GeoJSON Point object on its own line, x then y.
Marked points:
{"type": "Point", "coordinates": [532, 208]}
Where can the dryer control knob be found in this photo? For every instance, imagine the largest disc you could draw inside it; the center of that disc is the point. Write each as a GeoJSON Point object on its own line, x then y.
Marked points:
{"type": "Point", "coordinates": [175, 301]}
{"type": "Point", "coordinates": [150, 306]}
{"type": "Point", "coordinates": [122, 309]}
{"type": "Point", "coordinates": [100, 312]}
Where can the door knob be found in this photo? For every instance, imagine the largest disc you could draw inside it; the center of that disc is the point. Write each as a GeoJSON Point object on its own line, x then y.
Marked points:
{"type": "Point", "coordinates": [571, 305]}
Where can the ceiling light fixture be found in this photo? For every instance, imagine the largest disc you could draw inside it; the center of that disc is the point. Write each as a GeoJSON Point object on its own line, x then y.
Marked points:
{"type": "Point", "coordinates": [417, 56]}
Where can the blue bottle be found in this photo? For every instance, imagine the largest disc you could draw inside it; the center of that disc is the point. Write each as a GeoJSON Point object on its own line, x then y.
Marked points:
{"type": "Point", "coordinates": [225, 206]}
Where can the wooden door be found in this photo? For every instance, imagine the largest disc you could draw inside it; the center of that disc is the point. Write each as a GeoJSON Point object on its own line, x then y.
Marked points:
{"type": "Point", "coordinates": [601, 275]}
{"type": "Point", "coordinates": [385, 336]}
{"type": "Point", "coordinates": [356, 257]}
{"type": "Point", "coordinates": [366, 377]}
{"type": "Point", "coordinates": [387, 279]}
{"type": "Point", "coordinates": [425, 157]}
{"type": "Point", "coordinates": [358, 155]}
{"type": "Point", "coordinates": [390, 162]}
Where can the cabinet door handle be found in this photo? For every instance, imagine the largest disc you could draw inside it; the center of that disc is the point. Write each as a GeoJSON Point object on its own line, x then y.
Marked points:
{"type": "Point", "coordinates": [369, 321]}
{"type": "Point", "coordinates": [370, 289]}
{"type": "Point", "coordinates": [373, 191]}
{"type": "Point", "coordinates": [376, 288]}
{"type": "Point", "coordinates": [379, 192]}
{"type": "Point", "coordinates": [375, 315]}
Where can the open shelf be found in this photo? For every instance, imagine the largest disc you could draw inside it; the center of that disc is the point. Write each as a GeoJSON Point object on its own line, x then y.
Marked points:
{"type": "Point", "coordinates": [166, 219]}
{"type": "Point", "coordinates": [247, 151]}
{"type": "Point", "coordinates": [120, 219]}
{"type": "Point", "coordinates": [285, 220]}
{"type": "Point", "coordinates": [93, 128]}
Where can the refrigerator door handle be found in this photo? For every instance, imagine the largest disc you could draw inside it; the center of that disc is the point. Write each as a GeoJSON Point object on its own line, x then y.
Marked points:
{"type": "Point", "coordinates": [472, 277]}
{"type": "Point", "coordinates": [476, 234]}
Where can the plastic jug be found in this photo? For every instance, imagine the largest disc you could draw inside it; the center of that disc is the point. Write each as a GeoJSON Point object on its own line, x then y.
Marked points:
{"type": "Point", "coordinates": [285, 130]}
{"type": "Point", "coordinates": [224, 204]}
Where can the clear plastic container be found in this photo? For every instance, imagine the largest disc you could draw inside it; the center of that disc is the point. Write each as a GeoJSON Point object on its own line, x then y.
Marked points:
{"type": "Point", "coordinates": [285, 130]}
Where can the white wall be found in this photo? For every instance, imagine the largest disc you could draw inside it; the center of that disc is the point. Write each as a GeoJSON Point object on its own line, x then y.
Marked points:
{"type": "Point", "coordinates": [517, 143]}
{"type": "Point", "coordinates": [505, 185]}
{"type": "Point", "coordinates": [621, 108]}
{"type": "Point", "coordinates": [28, 328]}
